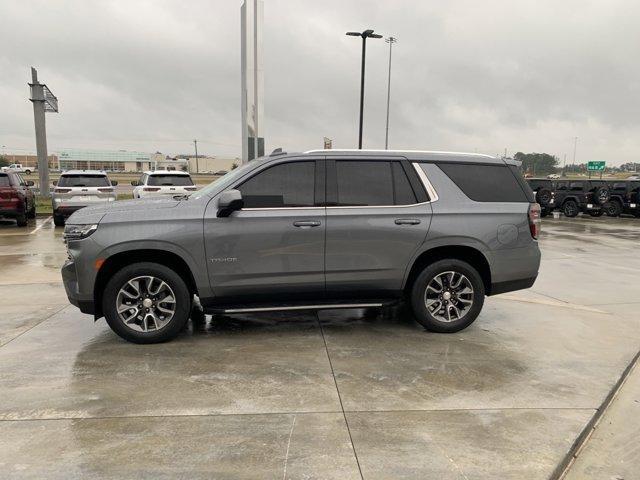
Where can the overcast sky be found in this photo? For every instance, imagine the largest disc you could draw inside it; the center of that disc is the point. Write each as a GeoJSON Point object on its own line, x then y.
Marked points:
{"type": "Point", "coordinates": [467, 75]}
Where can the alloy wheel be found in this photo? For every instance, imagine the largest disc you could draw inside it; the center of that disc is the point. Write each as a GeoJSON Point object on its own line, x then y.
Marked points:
{"type": "Point", "coordinates": [146, 304]}
{"type": "Point", "coordinates": [449, 296]}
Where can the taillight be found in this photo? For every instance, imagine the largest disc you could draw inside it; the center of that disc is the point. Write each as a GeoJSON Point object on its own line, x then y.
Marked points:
{"type": "Point", "coordinates": [62, 190]}
{"type": "Point", "coordinates": [106, 189]}
{"type": "Point", "coordinates": [534, 220]}
{"type": "Point", "coordinates": [151, 189]}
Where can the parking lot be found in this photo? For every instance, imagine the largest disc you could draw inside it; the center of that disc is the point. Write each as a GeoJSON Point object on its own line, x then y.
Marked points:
{"type": "Point", "coordinates": [338, 394]}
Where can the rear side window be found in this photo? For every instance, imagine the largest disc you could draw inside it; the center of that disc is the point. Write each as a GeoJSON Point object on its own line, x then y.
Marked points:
{"type": "Point", "coordinates": [284, 185]}
{"type": "Point", "coordinates": [575, 186]}
{"type": "Point", "coordinates": [83, 181]}
{"type": "Point", "coordinates": [170, 180]}
{"type": "Point", "coordinates": [4, 181]}
{"type": "Point", "coordinates": [485, 183]}
{"type": "Point", "coordinates": [363, 184]}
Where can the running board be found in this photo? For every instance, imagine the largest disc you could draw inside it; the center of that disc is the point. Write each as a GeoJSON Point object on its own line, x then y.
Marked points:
{"type": "Point", "coordinates": [326, 306]}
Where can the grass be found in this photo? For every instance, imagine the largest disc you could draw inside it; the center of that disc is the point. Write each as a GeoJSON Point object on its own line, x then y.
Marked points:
{"type": "Point", "coordinates": [43, 205]}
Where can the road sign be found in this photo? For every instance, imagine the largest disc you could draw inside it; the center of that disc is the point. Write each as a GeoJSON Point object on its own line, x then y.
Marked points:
{"type": "Point", "coordinates": [595, 166]}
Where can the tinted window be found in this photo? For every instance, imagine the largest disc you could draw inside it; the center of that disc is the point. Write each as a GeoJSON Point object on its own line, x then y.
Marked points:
{"type": "Point", "coordinates": [4, 181]}
{"type": "Point", "coordinates": [575, 186]}
{"type": "Point", "coordinates": [402, 191]}
{"type": "Point", "coordinates": [485, 183]}
{"type": "Point", "coordinates": [284, 185]}
{"type": "Point", "coordinates": [83, 181]}
{"type": "Point", "coordinates": [364, 183]}
{"type": "Point", "coordinates": [170, 180]}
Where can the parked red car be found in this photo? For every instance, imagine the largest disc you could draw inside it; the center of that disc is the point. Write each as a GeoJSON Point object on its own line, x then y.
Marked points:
{"type": "Point", "coordinates": [16, 198]}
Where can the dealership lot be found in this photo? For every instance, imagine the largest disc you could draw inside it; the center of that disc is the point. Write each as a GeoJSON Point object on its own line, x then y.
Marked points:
{"type": "Point", "coordinates": [339, 394]}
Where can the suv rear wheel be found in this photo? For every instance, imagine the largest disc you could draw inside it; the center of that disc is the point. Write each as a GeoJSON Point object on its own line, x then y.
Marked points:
{"type": "Point", "coordinates": [146, 303]}
{"type": "Point", "coordinates": [447, 296]}
{"type": "Point", "coordinates": [612, 208]}
{"type": "Point", "coordinates": [21, 220]}
{"type": "Point", "coordinates": [570, 209]}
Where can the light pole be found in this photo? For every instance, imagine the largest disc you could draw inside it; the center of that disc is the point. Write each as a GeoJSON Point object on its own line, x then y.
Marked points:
{"type": "Point", "coordinates": [195, 144]}
{"type": "Point", "coordinates": [364, 35]}
{"type": "Point", "coordinates": [575, 147]}
{"type": "Point", "coordinates": [390, 41]}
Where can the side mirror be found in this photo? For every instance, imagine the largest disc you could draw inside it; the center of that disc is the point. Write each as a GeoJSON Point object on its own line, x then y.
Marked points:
{"type": "Point", "coordinates": [114, 182]}
{"type": "Point", "coordinates": [135, 183]}
{"type": "Point", "coordinates": [55, 182]}
{"type": "Point", "coordinates": [30, 183]}
{"type": "Point", "coordinates": [230, 201]}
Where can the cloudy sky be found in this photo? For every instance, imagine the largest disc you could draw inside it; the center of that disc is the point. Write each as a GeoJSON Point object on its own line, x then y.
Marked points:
{"type": "Point", "coordinates": [467, 75]}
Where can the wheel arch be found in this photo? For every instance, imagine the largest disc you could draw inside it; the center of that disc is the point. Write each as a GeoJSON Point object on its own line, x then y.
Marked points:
{"type": "Point", "coordinates": [466, 253]}
{"type": "Point", "coordinates": [119, 260]}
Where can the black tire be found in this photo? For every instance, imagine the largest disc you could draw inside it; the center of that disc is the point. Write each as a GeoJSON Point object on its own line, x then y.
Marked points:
{"type": "Point", "coordinates": [612, 209]}
{"type": "Point", "coordinates": [181, 293]}
{"type": "Point", "coordinates": [544, 212]}
{"type": "Point", "coordinates": [543, 197]}
{"type": "Point", "coordinates": [418, 293]}
{"type": "Point", "coordinates": [601, 195]}
{"type": "Point", "coordinates": [570, 209]}
{"type": "Point", "coordinates": [21, 220]}
{"type": "Point", "coordinates": [58, 220]}
{"type": "Point", "coordinates": [27, 172]}
{"type": "Point", "coordinates": [596, 213]}
{"type": "Point", "coordinates": [32, 212]}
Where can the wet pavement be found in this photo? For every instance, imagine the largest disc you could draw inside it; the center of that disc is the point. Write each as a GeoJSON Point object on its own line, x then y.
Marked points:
{"type": "Point", "coordinates": [339, 394]}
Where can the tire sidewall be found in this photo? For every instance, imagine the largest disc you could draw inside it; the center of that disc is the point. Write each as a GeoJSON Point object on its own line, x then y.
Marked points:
{"type": "Point", "coordinates": [424, 317]}
{"type": "Point", "coordinates": [180, 290]}
{"type": "Point", "coordinates": [568, 204]}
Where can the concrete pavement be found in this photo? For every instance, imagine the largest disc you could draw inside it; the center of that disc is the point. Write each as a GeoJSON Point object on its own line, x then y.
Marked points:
{"type": "Point", "coordinates": [339, 394]}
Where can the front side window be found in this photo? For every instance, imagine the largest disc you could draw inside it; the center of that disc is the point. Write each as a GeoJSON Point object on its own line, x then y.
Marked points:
{"type": "Point", "coordinates": [281, 186]}
{"type": "Point", "coordinates": [83, 181]}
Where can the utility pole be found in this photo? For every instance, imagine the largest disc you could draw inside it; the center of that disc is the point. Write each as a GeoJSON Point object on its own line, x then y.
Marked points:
{"type": "Point", "coordinates": [364, 35]}
{"type": "Point", "coordinates": [43, 101]}
{"type": "Point", "coordinates": [195, 144]}
{"type": "Point", "coordinates": [390, 41]}
{"type": "Point", "coordinates": [575, 147]}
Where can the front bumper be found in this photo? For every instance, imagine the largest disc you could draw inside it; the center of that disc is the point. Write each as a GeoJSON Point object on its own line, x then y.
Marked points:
{"type": "Point", "coordinates": [70, 281]}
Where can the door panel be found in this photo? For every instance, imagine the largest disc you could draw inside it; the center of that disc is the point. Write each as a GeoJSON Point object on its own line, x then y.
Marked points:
{"type": "Point", "coordinates": [369, 244]}
{"type": "Point", "coordinates": [273, 249]}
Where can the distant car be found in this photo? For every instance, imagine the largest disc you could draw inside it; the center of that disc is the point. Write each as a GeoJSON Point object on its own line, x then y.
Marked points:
{"type": "Point", "coordinates": [633, 177]}
{"type": "Point", "coordinates": [553, 176]}
{"type": "Point", "coordinates": [16, 199]}
{"type": "Point", "coordinates": [18, 168]}
{"type": "Point", "coordinates": [80, 188]}
{"type": "Point", "coordinates": [221, 172]}
{"type": "Point", "coordinates": [161, 183]}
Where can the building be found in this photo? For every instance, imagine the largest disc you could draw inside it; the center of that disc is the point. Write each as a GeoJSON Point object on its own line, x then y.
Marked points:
{"type": "Point", "coordinates": [113, 160]}
{"type": "Point", "coordinates": [31, 161]}
{"type": "Point", "coordinates": [211, 164]}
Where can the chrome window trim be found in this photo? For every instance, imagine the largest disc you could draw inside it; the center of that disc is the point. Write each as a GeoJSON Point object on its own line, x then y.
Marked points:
{"type": "Point", "coordinates": [433, 195]}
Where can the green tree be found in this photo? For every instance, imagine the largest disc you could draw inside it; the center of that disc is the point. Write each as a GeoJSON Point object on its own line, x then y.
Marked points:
{"type": "Point", "coordinates": [537, 163]}
{"type": "Point", "coordinates": [3, 161]}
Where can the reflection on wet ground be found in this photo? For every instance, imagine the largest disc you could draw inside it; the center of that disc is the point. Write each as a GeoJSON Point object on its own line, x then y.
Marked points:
{"type": "Point", "coordinates": [334, 394]}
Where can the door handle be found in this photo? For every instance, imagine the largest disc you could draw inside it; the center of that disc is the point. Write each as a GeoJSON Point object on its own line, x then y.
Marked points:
{"type": "Point", "coordinates": [306, 223]}
{"type": "Point", "coordinates": [407, 221]}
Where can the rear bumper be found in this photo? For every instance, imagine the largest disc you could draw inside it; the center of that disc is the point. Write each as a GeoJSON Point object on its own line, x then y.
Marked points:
{"type": "Point", "coordinates": [11, 212]}
{"type": "Point", "coordinates": [514, 268]}
{"type": "Point", "coordinates": [70, 281]}
{"type": "Point", "coordinates": [66, 211]}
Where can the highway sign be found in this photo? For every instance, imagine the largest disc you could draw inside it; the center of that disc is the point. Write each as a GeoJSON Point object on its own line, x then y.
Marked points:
{"type": "Point", "coordinates": [595, 166]}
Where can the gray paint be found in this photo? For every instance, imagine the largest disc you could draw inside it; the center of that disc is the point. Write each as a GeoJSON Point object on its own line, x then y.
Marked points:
{"type": "Point", "coordinates": [258, 253]}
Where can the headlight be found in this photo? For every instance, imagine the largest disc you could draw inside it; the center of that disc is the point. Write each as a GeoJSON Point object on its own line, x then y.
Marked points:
{"type": "Point", "coordinates": [78, 232]}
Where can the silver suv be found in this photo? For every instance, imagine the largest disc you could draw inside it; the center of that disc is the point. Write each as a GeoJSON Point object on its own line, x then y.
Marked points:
{"type": "Point", "coordinates": [77, 189]}
{"type": "Point", "coordinates": [321, 229]}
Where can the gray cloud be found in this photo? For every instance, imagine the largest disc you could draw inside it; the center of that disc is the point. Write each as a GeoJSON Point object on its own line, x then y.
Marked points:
{"type": "Point", "coordinates": [468, 75]}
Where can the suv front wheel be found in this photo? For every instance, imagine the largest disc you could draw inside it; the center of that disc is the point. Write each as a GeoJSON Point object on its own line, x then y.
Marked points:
{"type": "Point", "coordinates": [146, 303]}
{"type": "Point", "coordinates": [447, 296]}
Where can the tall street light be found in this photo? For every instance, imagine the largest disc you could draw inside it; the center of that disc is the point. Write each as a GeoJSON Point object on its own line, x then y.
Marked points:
{"type": "Point", "coordinates": [365, 34]}
{"type": "Point", "coordinates": [390, 41]}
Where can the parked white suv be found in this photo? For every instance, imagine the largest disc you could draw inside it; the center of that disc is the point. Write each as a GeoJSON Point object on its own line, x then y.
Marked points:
{"type": "Point", "coordinates": [163, 182]}
{"type": "Point", "coordinates": [77, 189]}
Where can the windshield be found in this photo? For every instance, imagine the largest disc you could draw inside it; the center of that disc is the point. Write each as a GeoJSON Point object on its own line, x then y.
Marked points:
{"type": "Point", "coordinates": [83, 181]}
{"type": "Point", "coordinates": [170, 180]}
{"type": "Point", "coordinates": [227, 179]}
